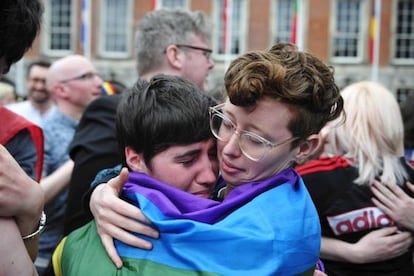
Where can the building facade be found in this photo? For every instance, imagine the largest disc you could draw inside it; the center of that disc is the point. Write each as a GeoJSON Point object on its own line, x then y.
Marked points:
{"type": "Point", "coordinates": [340, 32]}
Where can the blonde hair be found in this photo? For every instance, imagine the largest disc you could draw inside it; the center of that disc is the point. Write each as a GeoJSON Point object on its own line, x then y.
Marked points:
{"type": "Point", "coordinates": [372, 133]}
{"type": "Point", "coordinates": [6, 90]}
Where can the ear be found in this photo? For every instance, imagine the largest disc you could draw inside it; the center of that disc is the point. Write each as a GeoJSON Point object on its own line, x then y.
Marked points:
{"type": "Point", "coordinates": [307, 148]}
{"type": "Point", "coordinates": [60, 90]}
{"type": "Point", "coordinates": [174, 56]}
{"type": "Point", "coordinates": [135, 160]}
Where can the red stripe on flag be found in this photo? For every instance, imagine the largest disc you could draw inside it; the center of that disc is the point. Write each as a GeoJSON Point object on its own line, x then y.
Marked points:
{"type": "Point", "coordinates": [154, 5]}
{"type": "Point", "coordinates": [293, 35]}
{"type": "Point", "coordinates": [225, 22]}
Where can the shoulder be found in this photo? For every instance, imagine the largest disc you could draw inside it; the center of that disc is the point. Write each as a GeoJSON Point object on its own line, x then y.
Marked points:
{"type": "Point", "coordinates": [19, 106]}
{"type": "Point", "coordinates": [323, 164]}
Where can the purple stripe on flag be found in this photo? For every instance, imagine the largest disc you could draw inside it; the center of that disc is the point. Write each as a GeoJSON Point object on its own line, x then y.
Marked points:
{"type": "Point", "coordinates": [179, 204]}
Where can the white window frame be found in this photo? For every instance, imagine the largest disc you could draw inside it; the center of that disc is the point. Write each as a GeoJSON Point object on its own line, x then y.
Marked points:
{"type": "Point", "coordinates": [393, 40]}
{"type": "Point", "coordinates": [242, 30]}
{"type": "Point", "coordinates": [129, 32]}
{"type": "Point", "coordinates": [362, 47]}
{"type": "Point", "coordinates": [186, 4]}
{"type": "Point", "coordinates": [46, 32]}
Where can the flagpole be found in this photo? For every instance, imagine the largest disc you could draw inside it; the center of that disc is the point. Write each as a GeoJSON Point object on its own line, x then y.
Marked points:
{"type": "Point", "coordinates": [376, 46]}
{"type": "Point", "coordinates": [86, 28]}
{"type": "Point", "coordinates": [227, 35]}
{"type": "Point", "coordinates": [299, 32]}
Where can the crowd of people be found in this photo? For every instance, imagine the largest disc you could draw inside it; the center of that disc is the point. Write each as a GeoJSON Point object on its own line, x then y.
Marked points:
{"type": "Point", "coordinates": [284, 172]}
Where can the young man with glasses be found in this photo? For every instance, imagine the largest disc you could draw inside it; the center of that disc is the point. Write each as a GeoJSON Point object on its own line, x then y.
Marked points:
{"type": "Point", "coordinates": [278, 101]}
{"type": "Point", "coordinates": [73, 82]}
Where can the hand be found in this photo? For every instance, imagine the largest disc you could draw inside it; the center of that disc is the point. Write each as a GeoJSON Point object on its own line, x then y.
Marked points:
{"type": "Point", "coordinates": [378, 245]}
{"type": "Point", "coordinates": [319, 273]}
{"type": "Point", "coordinates": [382, 244]}
{"type": "Point", "coordinates": [115, 217]}
{"type": "Point", "coordinates": [395, 203]}
{"type": "Point", "coordinates": [20, 196]}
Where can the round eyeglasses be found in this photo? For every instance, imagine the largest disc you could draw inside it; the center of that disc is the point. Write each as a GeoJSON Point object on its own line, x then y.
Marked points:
{"type": "Point", "coordinates": [252, 145]}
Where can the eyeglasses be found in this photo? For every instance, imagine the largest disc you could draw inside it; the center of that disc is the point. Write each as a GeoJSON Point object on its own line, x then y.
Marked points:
{"type": "Point", "coordinates": [252, 145]}
{"type": "Point", "coordinates": [83, 77]}
{"type": "Point", "coordinates": [206, 51]}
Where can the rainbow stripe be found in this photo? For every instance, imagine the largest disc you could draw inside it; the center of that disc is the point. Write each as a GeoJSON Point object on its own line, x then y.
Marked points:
{"type": "Point", "coordinates": [261, 228]}
{"type": "Point", "coordinates": [108, 89]}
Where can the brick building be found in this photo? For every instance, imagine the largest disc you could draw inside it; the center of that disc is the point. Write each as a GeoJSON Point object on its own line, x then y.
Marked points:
{"type": "Point", "coordinates": [337, 31]}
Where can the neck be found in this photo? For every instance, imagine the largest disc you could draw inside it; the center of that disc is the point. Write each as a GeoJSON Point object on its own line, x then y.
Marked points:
{"type": "Point", "coordinates": [42, 107]}
{"type": "Point", "coordinates": [74, 112]}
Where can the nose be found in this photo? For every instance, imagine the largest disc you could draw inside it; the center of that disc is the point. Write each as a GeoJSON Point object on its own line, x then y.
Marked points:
{"type": "Point", "coordinates": [210, 63]}
{"type": "Point", "coordinates": [98, 80]}
{"type": "Point", "coordinates": [208, 173]}
{"type": "Point", "coordinates": [232, 146]}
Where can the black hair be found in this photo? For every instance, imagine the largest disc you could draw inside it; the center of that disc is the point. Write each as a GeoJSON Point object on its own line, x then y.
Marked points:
{"type": "Point", "coordinates": [169, 110]}
{"type": "Point", "coordinates": [19, 26]}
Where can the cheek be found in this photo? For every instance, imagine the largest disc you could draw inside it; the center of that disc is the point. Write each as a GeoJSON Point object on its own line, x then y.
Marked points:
{"type": "Point", "coordinates": [177, 177]}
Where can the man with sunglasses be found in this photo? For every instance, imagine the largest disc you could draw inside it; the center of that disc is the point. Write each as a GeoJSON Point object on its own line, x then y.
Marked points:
{"type": "Point", "coordinates": [172, 42]}
{"type": "Point", "coordinates": [73, 82]}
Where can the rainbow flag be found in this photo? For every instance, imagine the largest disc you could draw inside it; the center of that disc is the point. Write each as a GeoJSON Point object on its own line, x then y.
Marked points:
{"type": "Point", "coordinates": [261, 228]}
{"type": "Point", "coordinates": [108, 89]}
{"type": "Point", "coordinates": [372, 32]}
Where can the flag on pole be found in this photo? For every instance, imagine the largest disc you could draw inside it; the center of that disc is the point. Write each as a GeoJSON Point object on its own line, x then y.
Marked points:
{"type": "Point", "coordinates": [226, 26]}
{"type": "Point", "coordinates": [155, 4]}
{"type": "Point", "coordinates": [294, 27]}
{"type": "Point", "coordinates": [86, 28]}
{"type": "Point", "coordinates": [374, 39]}
{"type": "Point", "coordinates": [372, 29]}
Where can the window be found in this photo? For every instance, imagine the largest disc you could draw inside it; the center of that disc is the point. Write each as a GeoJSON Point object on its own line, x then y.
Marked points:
{"type": "Point", "coordinates": [237, 19]}
{"type": "Point", "coordinates": [349, 30]}
{"type": "Point", "coordinates": [283, 11]}
{"type": "Point", "coordinates": [174, 4]}
{"type": "Point", "coordinates": [60, 27]}
{"type": "Point", "coordinates": [116, 28]}
{"type": "Point", "coordinates": [404, 32]}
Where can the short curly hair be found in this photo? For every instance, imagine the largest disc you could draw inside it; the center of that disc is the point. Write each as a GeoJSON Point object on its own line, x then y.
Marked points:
{"type": "Point", "coordinates": [296, 78]}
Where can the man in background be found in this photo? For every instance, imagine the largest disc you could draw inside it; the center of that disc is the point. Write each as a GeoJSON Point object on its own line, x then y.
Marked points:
{"type": "Point", "coordinates": [39, 104]}
{"type": "Point", "coordinates": [73, 82]}
{"type": "Point", "coordinates": [172, 42]}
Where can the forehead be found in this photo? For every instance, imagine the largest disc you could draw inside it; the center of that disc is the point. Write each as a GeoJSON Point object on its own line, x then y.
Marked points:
{"type": "Point", "coordinates": [198, 41]}
{"type": "Point", "coordinates": [38, 72]}
{"type": "Point", "coordinates": [268, 115]}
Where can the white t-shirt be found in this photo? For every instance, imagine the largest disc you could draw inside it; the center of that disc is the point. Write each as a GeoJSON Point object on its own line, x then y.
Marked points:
{"type": "Point", "coordinates": [27, 110]}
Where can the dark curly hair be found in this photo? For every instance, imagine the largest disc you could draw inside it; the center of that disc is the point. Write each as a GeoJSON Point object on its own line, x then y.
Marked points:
{"type": "Point", "coordinates": [293, 77]}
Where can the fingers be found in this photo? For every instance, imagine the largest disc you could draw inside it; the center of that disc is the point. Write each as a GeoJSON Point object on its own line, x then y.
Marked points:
{"type": "Point", "coordinates": [383, 194]}
{"type": "Point", "coordinates": [118, 182]}
{"type": "Point", "coordinates": [410, 186]}
{"type": "Point", "coordinates": [110, 250]}
{"type": "Point", "coordinates": [383, 232]}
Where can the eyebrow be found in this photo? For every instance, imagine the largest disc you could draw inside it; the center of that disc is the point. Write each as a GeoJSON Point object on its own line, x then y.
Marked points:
{"type": "Point", "coordinates": [190, 153]}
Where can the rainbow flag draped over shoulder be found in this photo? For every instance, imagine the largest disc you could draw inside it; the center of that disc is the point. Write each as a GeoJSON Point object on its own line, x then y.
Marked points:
{"type": "Point", "coordinates": [261, 228]}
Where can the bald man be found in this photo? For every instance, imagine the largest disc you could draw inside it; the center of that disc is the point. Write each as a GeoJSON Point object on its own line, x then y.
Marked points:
{"type": "Point", "coordinates": [73, 83]}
